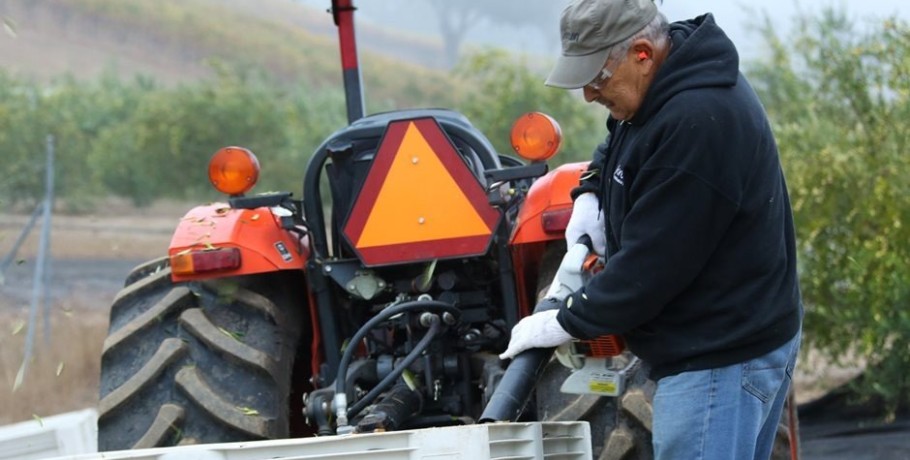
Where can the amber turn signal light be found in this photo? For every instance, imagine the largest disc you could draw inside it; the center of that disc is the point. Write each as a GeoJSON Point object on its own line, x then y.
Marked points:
{"type": "Point", "coordinates": [233, 170]}
{"type": "Point", "coordinates": [536, 136]}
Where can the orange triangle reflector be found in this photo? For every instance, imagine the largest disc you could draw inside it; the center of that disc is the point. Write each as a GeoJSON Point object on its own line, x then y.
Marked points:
{"type": "Point", "coordinates": [420, 201]}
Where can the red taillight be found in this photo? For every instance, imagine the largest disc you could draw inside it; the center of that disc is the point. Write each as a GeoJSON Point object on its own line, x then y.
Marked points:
{"type": "Point", "coordinates": [188, 263]}
{"type": "Point", "coordinates": [556, 221]}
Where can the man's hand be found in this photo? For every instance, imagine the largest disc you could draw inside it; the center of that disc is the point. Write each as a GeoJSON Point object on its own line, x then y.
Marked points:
{"type": "Point", "coordinates": [540, 330]}
{"type": "Point", "coordinates": [587, 219]}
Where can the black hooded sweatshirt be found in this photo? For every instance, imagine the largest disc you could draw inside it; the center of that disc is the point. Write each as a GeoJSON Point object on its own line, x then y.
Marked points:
{"type": "Point", "coordinates": [701, 258]}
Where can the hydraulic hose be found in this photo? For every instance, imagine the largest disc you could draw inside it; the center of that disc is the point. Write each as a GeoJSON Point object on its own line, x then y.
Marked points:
{"type": "Point", "coordinates": [392, 411]}
{"type": "Point", "coordinates": [341, 378]}
{"type": "Point", "coordinates": [422, 345]}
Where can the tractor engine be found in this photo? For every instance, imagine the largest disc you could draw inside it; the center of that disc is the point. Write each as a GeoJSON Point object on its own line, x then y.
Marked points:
{"type": "Point", "coordinates": [431, 329]}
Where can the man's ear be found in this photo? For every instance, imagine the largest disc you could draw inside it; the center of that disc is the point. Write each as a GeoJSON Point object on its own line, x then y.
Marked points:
{"type": "Point", "coordinates": [643, 49]}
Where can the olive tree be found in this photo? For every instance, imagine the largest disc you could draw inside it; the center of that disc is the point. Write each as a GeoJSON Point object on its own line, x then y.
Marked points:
{"type": "Point", "coordinates": [838, 96]}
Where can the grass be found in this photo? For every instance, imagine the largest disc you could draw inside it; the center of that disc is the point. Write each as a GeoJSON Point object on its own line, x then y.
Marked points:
{"type": "Point", "coordinates": [64, 372]}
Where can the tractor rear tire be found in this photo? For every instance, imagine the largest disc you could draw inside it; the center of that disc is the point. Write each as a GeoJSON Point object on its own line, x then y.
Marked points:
{"type": "Point", "coordinates": [621, 426]}
{"type": "Point", "coordinates": [199, 362]}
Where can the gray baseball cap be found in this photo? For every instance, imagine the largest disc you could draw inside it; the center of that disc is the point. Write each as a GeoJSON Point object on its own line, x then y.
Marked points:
{"type": "Point", "coordinates": [590, 28]}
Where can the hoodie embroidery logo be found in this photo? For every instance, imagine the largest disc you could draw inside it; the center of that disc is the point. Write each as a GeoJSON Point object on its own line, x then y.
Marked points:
{"type": "Point", "coordinates": [618, 176]}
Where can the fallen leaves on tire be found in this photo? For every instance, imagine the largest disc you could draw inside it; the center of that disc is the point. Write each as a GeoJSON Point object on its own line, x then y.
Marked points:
{"type": "Point", "coordinates": [248, 411]}
{"type": "Point", "coordinates": [232, 334]}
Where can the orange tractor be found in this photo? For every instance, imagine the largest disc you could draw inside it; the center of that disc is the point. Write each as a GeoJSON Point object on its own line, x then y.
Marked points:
{"type": "Point", "coordinates": [378, 302]}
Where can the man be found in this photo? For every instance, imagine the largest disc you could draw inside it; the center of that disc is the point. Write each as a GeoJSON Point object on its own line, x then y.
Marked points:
{"type": "Point", "coordinates": [700, 275]}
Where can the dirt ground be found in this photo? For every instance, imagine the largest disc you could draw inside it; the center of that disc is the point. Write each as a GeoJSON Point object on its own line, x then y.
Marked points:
{"type": "Point", "coordinates": [90, 257]}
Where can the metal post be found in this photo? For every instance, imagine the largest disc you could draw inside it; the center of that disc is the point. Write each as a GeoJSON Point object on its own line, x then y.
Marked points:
{"type": "Point", "coordinates": [343, 13]}
{"type": "Point", "coordinates": [44, 250]}
{"type": "Point", "coordinates": [40, 265]}
{"type": "Point", "coordinates": [33, 310]}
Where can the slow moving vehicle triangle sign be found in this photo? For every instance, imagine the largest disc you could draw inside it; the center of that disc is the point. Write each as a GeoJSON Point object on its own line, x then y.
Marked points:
{"type": "Point", "coordinates": [421, 198]}
{"type": "Point", "coordinates": [419, 201]}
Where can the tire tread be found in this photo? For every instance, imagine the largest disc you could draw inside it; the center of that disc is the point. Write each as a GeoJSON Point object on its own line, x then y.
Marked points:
{"type": "Point", "coordinates": [200, 326]}
{"type": "Point", "coordinates": [174, 371]}
{"type": "Point", "coordinates": [190, 381]}
{"type": "Point", "coordinates": [179, 297]}
{"type": "Point", "coordinates": [168, 420]}
{"type": "Point", "coordinates": [168, 352]}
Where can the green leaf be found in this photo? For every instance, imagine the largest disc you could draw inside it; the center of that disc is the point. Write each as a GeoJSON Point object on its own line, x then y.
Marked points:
{"type": "Point", "coordinates": [236, 335]}
{"type": "Point", "coordinates": [248, 411]}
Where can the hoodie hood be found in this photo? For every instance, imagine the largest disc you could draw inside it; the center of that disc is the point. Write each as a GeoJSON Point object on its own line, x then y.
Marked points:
{"type": "Point", "coordinates": [701, 56]}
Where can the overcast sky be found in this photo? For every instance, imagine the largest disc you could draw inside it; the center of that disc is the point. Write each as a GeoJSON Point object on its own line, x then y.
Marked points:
{"type": "Point", "coordinates": [734, 16]}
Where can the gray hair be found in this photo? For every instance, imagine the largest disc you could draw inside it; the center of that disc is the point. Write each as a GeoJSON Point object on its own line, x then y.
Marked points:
{"type": "Point", "coordinates": [656, 32]}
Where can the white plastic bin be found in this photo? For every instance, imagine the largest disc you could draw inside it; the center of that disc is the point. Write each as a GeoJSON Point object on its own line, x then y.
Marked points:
{"type": "Point", "coordinates": [65, 434]}
{"type": "Point", "coordinates": [500, 441]}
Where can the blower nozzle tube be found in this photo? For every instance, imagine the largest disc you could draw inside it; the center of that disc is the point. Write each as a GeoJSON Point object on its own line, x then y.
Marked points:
{"type": "Point", "coordinates": [519, 379]}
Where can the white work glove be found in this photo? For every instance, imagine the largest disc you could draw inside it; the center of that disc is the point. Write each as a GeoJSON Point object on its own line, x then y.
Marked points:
{"type": "Point", "coordinates": [540, 330]}
{"type": "Point", "coordinates": [570, 276]}
{"type": "Point", "coordinates": [587, 219]}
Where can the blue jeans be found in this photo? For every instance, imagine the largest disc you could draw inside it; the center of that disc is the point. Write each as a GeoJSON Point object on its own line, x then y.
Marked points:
{"type": "Point", "coordinates": [725, 413]}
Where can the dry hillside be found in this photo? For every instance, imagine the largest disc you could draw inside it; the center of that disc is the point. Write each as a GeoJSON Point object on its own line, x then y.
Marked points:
{"type": "Point", "coordinates": [48, 38]}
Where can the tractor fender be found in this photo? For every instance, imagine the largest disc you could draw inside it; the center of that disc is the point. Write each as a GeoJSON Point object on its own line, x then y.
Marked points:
{"type": "Point", "coordinates": [264, 245]}
{"type": "Point", "coordinates": [548, 198]}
